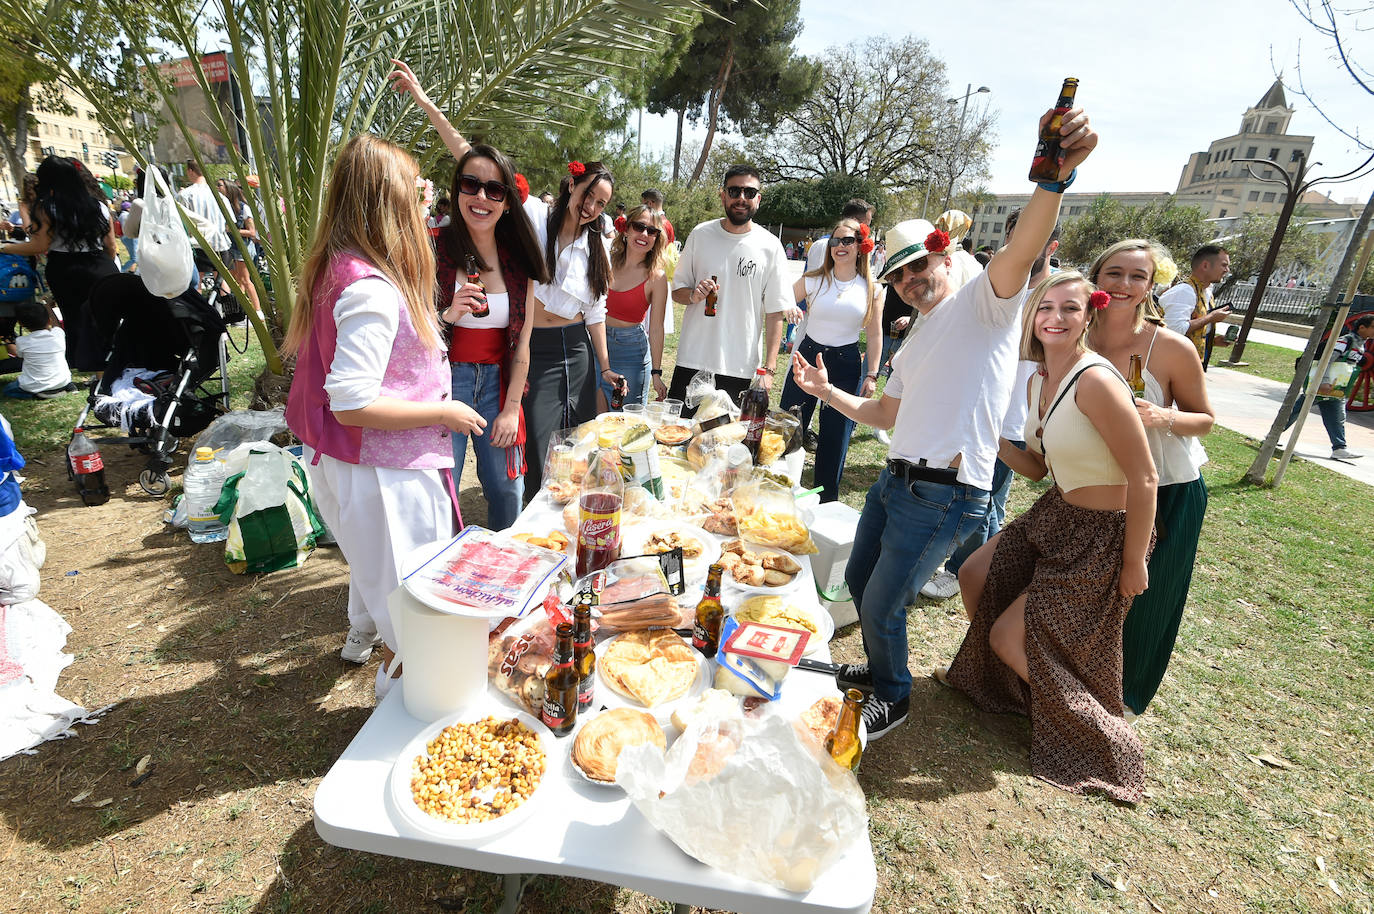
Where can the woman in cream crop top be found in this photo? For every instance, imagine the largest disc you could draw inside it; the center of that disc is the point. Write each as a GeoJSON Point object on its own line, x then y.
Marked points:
{"type": "Point", "coordinates": [1074, 451]}
{"type": "Point", "coordinates": [1083, 421]}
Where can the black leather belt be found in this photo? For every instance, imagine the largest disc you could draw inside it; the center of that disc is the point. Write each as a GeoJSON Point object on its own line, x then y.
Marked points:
{"type": "Point", "coordinates": [910, 472]}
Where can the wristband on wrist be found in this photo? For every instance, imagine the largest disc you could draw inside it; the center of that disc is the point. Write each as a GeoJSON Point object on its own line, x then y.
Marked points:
{"type": "Point", "coordinates": [656, 371]}
{"type": "Point", "coordinates": [872, 376]}
{"type": "Point", "coordinates": [1058, 187]}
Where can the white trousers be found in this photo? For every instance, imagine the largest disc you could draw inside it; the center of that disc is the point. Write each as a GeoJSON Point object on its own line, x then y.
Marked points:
{"type": "Point", "coordinates": [379, 515]}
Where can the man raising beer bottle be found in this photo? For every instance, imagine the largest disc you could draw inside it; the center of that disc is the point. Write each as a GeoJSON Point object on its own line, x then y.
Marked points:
{"type": "Point", "coordinates": [950, 387]}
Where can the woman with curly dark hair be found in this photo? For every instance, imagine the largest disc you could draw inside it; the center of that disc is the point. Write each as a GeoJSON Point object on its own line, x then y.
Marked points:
{"type": "Point", "coordinates": [74, 229]}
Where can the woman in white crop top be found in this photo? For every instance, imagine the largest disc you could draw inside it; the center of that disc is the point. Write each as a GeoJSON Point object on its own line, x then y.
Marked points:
{"type": "Point", "coordinates": [1176, 414]}
{"type": "Point", "coordinates": [842, 303]}
{"type": "Point", "coordinates": [1047, 596]}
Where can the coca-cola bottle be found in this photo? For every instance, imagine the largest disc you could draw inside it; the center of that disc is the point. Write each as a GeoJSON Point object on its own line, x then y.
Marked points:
{"type": "Point", "coordinates": [754, 412]}
{"type": "Point", "coordinates": [598, 528]}
{"type": "Point", "coordinates": [87, 468]}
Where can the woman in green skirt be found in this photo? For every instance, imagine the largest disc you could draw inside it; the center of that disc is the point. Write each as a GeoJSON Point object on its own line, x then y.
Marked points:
{"type": "Point", "coordinates": [1176, 413]}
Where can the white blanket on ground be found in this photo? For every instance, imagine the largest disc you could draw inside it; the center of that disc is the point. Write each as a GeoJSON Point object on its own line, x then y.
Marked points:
{"type": "Point", "coordinates": [31, 711]}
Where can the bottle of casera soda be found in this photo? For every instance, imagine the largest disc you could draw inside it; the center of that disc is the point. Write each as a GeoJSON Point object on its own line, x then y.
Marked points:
{"type": "Point", "coordinates": [87, 469]}
{"type": "Point", "coordinates": [598, 528]}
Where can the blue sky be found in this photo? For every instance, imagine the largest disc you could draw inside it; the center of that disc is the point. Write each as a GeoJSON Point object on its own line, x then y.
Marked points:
{"type": "Point", "coordinates": [1157, 87]}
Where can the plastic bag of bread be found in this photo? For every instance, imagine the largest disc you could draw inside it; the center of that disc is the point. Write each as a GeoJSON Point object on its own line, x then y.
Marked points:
{"type": "Point", "coordinates": [767, 514]}
{"type": "Point", "coordinates": [713, 406]}
{"type": "Point", "coordinates": [566, 462]}
{"type": "Point", "coordinates": [749, 797]}
{"type": "Point", "coordinates": [714, 444]}
{"type": "Point", "coordinates": [520, 652]}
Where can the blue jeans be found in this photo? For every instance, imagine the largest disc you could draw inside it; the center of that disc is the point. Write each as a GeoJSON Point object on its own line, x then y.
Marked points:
{"type": "Point", "coordinates": [844, 365]}
{"type": "Point", "coordinates": [997, 513]}
{"type": "Point", "coordinates": [14, 391]}
{"type": "Point", "coordinates": [904, 533]}
{"type": "Point", "coordinates": [130, 245]}
{"type": "Point", "coordinates": [1333, 417]}
{"type": "Point", "coordinates": [479, 386]}
{"type": "Point", "coordinates": [628, 350]}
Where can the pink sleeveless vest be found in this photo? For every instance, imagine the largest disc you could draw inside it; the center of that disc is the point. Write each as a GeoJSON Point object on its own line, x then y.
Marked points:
{"type": "Point", "coordinates": [413, 373]}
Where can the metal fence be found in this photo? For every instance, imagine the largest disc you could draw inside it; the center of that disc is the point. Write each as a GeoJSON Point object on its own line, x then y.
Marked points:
{"type": "Point", "coordinates": [1296, 306]}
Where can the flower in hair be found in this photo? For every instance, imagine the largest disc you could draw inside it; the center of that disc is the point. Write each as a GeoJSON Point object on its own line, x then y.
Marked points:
{"type": "Point", "coordinates": [424, 191]}
{"type": "Point", "coordinates": [937, 241]}
{"type": "Point", "coordinates": [866, 246]}
{"type": "Point", "coordinates": [522, 187]}
{"type": "Point", "coordinates": [1165, 271]}
{"type": "Point", "coordinates": [622, 224]}
{"type": "Point", "coordinates": [863, 231]}
{"type": "Point", "coordinates": [577, 169]}
{"type": "Point", "coordinates": [1099, 300]}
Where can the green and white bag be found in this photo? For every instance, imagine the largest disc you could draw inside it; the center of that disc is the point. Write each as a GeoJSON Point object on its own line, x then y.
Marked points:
{"type": "Point", "coordinates": [272, 522]}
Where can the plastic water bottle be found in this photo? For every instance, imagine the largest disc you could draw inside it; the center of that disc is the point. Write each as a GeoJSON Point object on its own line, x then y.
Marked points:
{"type": "Point", "coordinates": [205, 476]}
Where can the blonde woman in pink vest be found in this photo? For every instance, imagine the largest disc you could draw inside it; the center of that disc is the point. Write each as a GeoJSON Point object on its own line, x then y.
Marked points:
{"type": "Point", "coordinates": [371, 394]}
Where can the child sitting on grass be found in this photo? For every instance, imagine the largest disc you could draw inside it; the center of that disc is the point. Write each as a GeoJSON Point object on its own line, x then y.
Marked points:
{"type": "Point", "coordinates": [40, 357]}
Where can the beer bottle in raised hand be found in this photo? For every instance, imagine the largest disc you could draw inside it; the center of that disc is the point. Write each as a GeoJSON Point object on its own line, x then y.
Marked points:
{"type": "Point", "coordinates": [711, 300]}
{"type": "Point", "coordinates": [1045, 165]}
{"type": "Point", "coordinates": [474, 277]}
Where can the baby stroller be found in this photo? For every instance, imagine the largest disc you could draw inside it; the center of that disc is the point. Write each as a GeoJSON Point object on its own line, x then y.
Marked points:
{"type": "Point", "coordinates": [165, 376]}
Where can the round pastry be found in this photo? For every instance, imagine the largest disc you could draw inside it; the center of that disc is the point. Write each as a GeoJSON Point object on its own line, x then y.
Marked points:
{"type": "Point", "coordinates": [596, 750]}
{"type": "Point", "coordinates": [672, 435]}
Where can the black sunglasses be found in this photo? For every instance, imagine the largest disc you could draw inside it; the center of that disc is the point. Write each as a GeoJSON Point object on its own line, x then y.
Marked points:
{"type": "Point", "coordinates": [843, 242]}
{"type": "Point", "coordinates": [747, 193]}
{"type": "Point", "coordinates": [471, 184]}
{"type": "Point", "coordinates": [646, 229]}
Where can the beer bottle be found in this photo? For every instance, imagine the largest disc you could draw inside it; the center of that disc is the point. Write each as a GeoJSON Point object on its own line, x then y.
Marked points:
{"type": "Point", "coordinates": [1136, 376]}
{"type": "Point", "coordinates": [475, 278]}
{"type": "Point", "coordinates": [584, 656]}
{"type": "Point", "coordinates": [710, 614]}
{"type": "Point", "coordinates": [711, 300]}
{"type": "Point", "coordinates": [559, 713]}
{"type": "Point", "coordinates": [843, 743]}
{"type": "Point", "coordinates": [1045, 165]}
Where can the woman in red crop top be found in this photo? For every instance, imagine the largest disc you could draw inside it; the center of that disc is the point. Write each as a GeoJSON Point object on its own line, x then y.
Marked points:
{"type": "Point", "coordinates": [639, 287]}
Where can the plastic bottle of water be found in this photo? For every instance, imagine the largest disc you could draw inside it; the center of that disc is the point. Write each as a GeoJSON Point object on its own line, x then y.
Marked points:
{"type": "Point", "coordinates": [205, 476]}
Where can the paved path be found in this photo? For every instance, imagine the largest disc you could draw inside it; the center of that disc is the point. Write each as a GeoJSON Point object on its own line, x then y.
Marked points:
{"type": "Point", "coordinates": [1248, 404]}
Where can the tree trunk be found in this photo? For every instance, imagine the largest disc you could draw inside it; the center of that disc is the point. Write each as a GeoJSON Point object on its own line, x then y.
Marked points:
{"type": "Point", "coordinates": [713, 112]}
{"type": "Point", "coordinates": [677, 146]}
{"type": "Point", "coordinates": [14, 145]}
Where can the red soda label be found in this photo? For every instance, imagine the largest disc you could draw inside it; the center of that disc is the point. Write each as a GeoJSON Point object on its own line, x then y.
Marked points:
{"type": "Point", "coordinates": [85, 464]}
{"type": "Point", "coordinates": [599, 524]}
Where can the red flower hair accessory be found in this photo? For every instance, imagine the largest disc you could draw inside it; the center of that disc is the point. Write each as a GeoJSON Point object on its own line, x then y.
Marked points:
{"type": "Point", "coordinates": [577, 169]}
{"type": "Point", "coordinates": [1099, 300]}
{"type": "Point", "coordinates": [622, 224]}
{"type": "Point", "coordinates": [937, 241]}
{"type": "Point", "coordinates": [863, 232]}
{"type": "Point", "coordinates": [866, 246]}
{"type": "Point", "coordinates": [522, 187]}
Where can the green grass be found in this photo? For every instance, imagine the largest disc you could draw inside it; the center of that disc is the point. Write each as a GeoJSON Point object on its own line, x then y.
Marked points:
{"type": "Point", "coordinates": [1263, 360]}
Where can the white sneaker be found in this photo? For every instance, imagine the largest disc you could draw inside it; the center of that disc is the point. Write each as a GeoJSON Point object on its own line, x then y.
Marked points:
{"type": "Point", "coordinates": [942, 586]}
{"type": "Point", "coordinates": [883, 437]}
{"type": "Point", "coordinates": [1344, 453]}
{"type": "Point", "coordinates": [358, 646]}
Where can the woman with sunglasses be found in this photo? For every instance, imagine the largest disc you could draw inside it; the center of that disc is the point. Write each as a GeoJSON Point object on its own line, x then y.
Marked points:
{"type": "Point", "coordinates": [842, 302]}
{"type": "Point", "coordinates": [639, 287]}
{"type": "Point", "coordinates": [489, 356]}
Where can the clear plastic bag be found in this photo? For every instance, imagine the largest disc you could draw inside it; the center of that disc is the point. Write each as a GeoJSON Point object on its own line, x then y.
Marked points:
{"type": "Point", "coordinates": [713, 406]}
{"type": "Point", "coordinates": [749, 797]}
{"type": "Point", "coordinates": [242, 426]}
{"type": "Point", "coordinates": [768, 515]}
{"type": "Point", "coordinates": [164, 249]}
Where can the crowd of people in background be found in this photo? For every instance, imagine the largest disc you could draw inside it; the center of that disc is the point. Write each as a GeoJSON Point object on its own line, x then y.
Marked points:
{"type": "Point", "coordinates": [500, 317]}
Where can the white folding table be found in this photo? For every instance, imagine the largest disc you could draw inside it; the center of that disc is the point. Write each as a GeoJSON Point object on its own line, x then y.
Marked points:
{"type": "Point", "coordinates": [581, 830]}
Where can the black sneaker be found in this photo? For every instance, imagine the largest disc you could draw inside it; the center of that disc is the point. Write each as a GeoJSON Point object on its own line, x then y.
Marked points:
{"type": "Point", "coordinates": [854, 676]}
{"type": "Point", "coordinates": [809, 440]}
{"type": "Point", "coordinates": [881, 716]}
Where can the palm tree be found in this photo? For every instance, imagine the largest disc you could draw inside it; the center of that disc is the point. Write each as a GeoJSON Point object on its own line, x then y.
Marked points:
{"type": "Point", "coordinates": [314, 72]}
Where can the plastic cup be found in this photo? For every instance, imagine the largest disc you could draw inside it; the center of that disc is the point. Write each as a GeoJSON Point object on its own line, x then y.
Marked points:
{"type": "Point", "coordinates": [634, 413]}
{"type": "Point", "coordinates": [654, 412]}
{"type": "Point", "coordinates": [672, 411]}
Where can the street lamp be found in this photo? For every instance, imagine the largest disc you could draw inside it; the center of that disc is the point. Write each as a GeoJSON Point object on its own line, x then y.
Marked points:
{"type": "Point", "coordinates": [959, 135]}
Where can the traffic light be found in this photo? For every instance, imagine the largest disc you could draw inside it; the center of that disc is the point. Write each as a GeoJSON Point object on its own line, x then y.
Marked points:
{"type": "Point", "coordinates": [86, 151]}
{"type": "Point", "coordinates": [110, 159]}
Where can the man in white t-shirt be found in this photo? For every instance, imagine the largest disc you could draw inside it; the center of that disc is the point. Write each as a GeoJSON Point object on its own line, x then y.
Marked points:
{"type": "Point", "coordinates": [745, 266]}
{"type": "Point", "coordinates": [1188, 305]}
{"type": "Point", "coordinates": [945, 403]}
{"type": "Point", "coordinates": [198, 199]}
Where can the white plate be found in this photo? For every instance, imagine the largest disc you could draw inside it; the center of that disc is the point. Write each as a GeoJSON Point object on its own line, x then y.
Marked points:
{"type": "Point", "coordinates": [637, 534]}
{"type": "Point", "coordinates": [607, 695]}
{"type": "Point", "coordinates": [403, 770]}
{"type": "Point", "coordinates": [572, 738]}
{"type": "Point", "coordinates": [754, 589]}
{"type": "Point", "coordinates": [825, 626]}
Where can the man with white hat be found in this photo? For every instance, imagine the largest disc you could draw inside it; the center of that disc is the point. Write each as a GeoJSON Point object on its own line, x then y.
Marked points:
{"type": "Point", "coordinates": [950, 387]}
